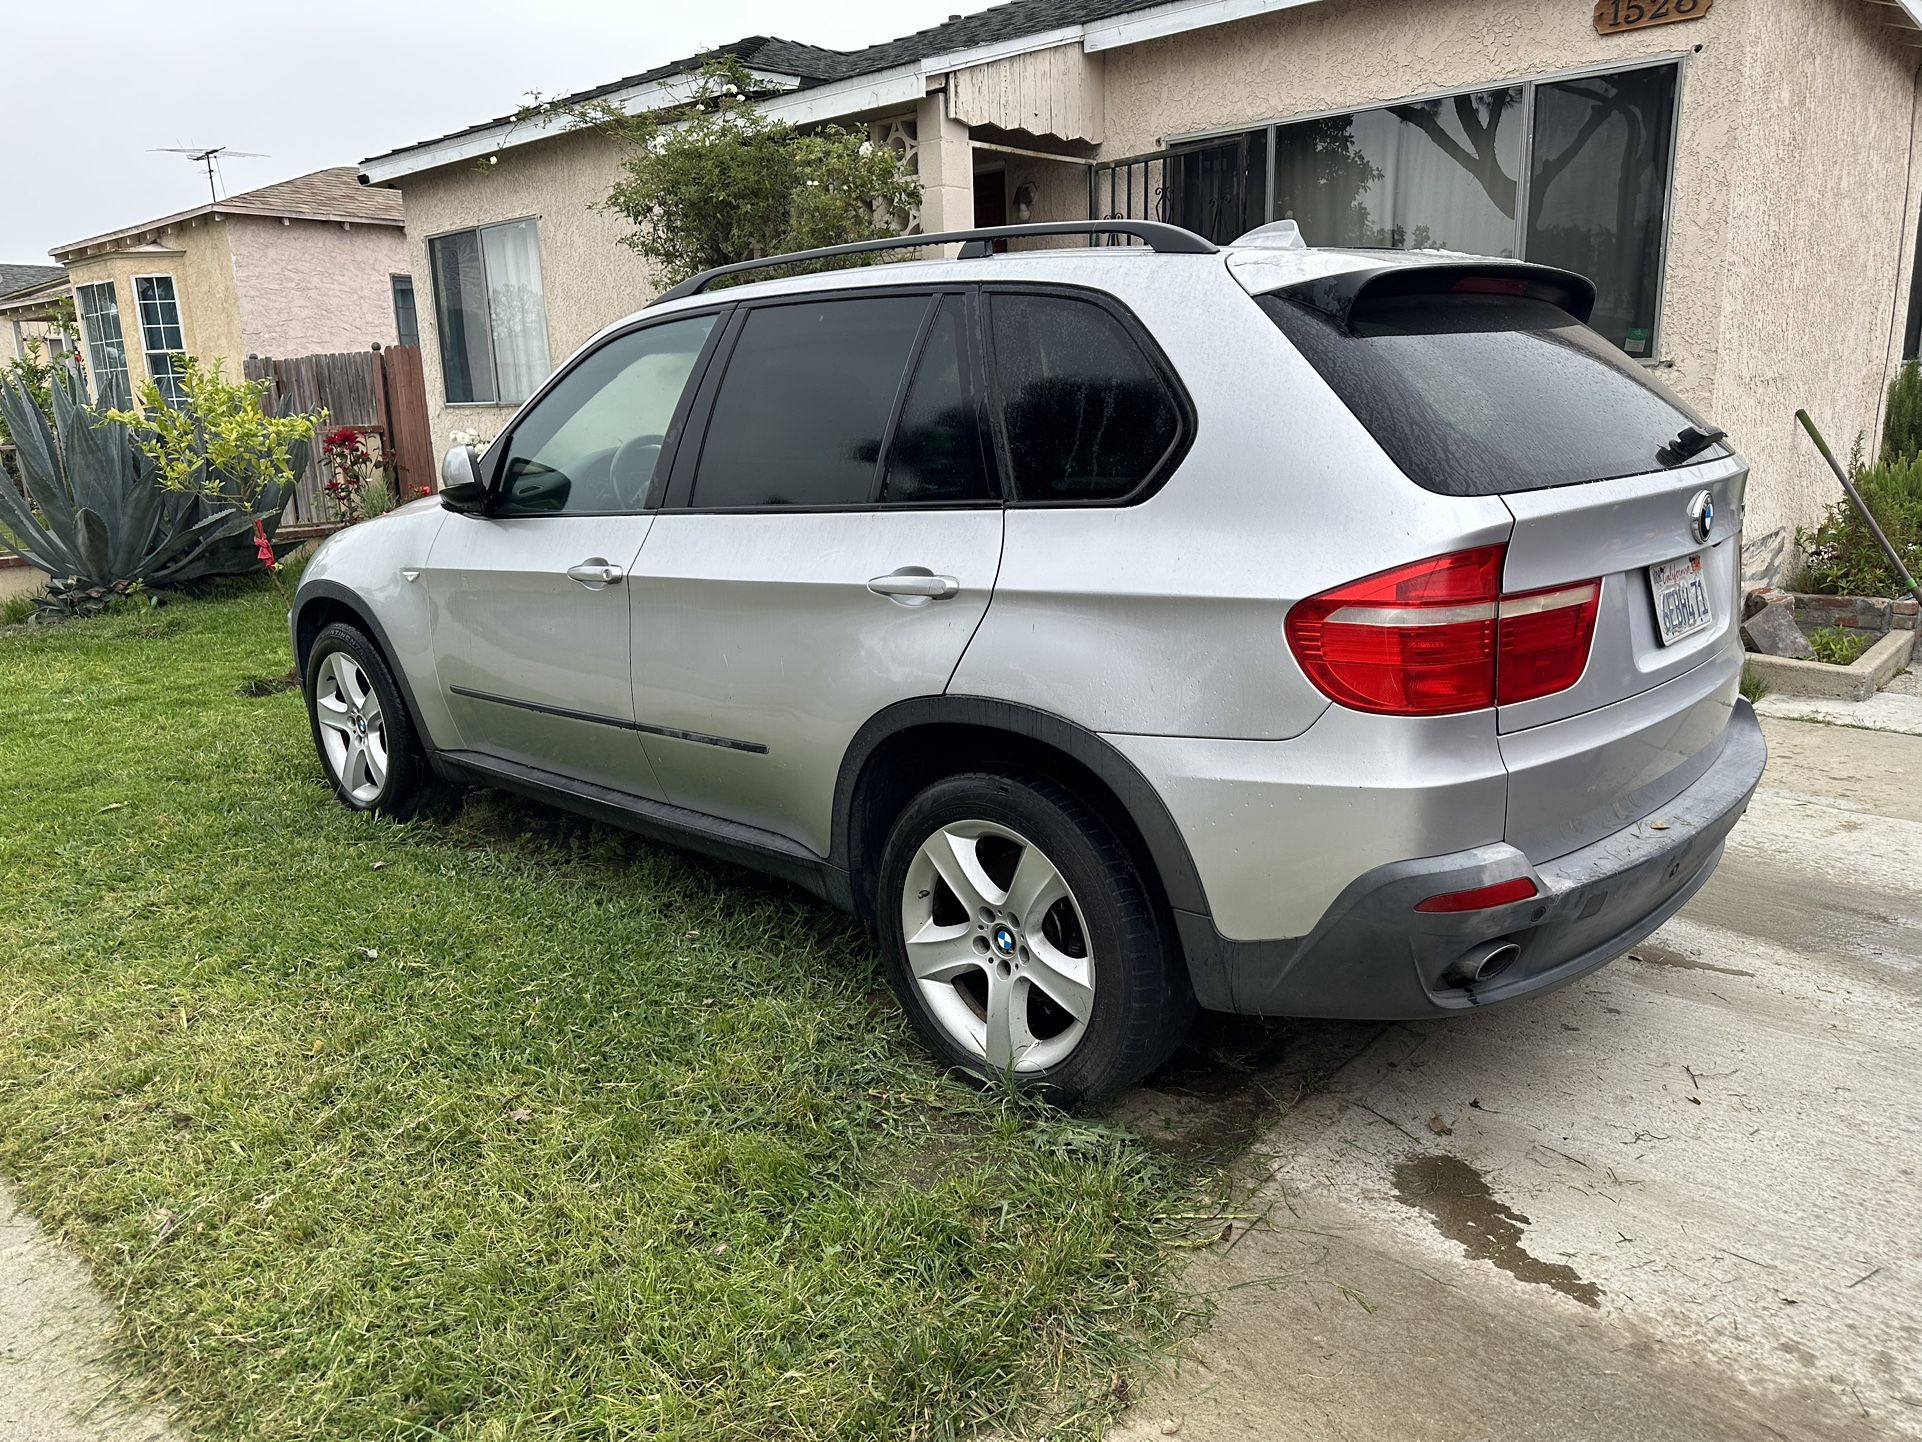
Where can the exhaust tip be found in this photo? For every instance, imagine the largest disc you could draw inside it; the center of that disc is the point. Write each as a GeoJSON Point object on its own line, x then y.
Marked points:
{"type": "Point", "coordinates": [1484, 962]}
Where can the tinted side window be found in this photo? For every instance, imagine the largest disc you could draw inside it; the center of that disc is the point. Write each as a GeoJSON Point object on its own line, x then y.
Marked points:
{"type": "Point", "coordinates": [1087, 417]}
{"type": "Point", "coordinates": [592, 443]}
{"type": "Point", "coordinates": [936, 451]}
{"type": "Point", "coordinates": [803, 408]}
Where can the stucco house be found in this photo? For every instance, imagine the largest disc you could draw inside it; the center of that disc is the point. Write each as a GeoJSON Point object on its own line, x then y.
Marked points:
{"type": "Point", "coordinates": [316, 263]}
{"type": "Point", "coordinates": [31, 299]}
{"type": "Point", "coordinates": [1738, 176]}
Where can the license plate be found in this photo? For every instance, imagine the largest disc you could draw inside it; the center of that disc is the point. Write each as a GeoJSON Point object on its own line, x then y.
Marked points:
{"type": "Point", "coordinates": [1681, 598]}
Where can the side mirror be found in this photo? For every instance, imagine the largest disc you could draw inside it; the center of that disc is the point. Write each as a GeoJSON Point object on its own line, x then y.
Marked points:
{"type": "Point", "coordinates": [459, 467]}
{"type": "Point", "coordinates": [469, 498]}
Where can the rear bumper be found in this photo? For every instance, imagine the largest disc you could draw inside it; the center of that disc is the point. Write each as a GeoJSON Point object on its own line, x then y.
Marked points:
{"type": "Point", "coordinates": [1374, 956]}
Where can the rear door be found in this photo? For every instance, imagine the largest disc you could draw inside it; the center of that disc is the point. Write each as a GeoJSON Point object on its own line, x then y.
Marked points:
{"type": "Point", "coordinates": [1479, 381]}
{"type": "Point", "coordinates": [828, 549]}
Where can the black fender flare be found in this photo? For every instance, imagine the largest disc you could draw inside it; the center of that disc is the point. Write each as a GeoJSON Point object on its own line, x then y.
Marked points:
{"type": "Point", "coordinates": [1167, 850]}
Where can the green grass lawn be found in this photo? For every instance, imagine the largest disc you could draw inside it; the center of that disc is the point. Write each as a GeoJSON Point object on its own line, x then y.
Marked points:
{"type": "Point", "coordinates": [501, 1125]}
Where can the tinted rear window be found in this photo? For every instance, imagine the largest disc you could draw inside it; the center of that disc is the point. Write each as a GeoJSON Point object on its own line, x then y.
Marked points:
{"type": "Point", "coordinates": [1476, 395]}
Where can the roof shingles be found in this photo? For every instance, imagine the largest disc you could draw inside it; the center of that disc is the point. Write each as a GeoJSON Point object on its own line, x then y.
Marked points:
{"type": "Point", "coordinates": [813, 65]}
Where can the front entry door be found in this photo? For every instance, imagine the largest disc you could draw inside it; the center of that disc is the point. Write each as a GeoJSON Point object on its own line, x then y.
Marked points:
{"type": "Point", "coordinates": [532, 644]}
{"type": "Point", "coordinates": [830, 552]}
{"type": "Point", "coordinates": [531, 615]}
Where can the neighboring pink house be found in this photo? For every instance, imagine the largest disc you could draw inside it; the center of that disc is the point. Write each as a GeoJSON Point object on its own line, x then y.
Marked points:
{"type": "Point", "coordinates": [313, 264]}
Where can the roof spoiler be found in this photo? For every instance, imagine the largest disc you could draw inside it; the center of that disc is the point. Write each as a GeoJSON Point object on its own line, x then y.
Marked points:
{"type": "Point", "coordinates": [1341, 295]}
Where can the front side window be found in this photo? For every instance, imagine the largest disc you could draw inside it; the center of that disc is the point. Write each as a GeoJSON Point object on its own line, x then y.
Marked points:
{"type": "Point", "coordinates": [161, 340]}
{"type": "Point", "coordinates": [803, 410]}
{"type": "Point", "coordinates": [1085, 416]}
{"type": "Point", "coordinates": [106, 349]}
{"type": "Point", "coordinates": [1572, 173]}
{"type": "Point", "coordinates": [491, 311]}
{"type": "Point", "coordinates": [593, 443]}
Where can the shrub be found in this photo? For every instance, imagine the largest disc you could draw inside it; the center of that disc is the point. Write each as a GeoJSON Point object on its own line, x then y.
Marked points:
{"type": "Point", "coordinates": [100, 516]}
{"type": "Point", "coordinates": [1839, 646]}
{"type": "Point", "coordinates": [1840, 556]}
{"type": "Point", "coordinates": [1902, 421]}
{"type": "Point", "coordinates": [715, 181]}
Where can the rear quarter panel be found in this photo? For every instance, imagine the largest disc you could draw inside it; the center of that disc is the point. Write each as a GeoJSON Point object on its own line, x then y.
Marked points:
{"type": "Point", "coordinates": [1165, 617]}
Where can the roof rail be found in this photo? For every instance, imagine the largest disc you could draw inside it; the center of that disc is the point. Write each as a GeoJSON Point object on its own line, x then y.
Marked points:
{"type": "Point", "coordinates": [1162, 238]}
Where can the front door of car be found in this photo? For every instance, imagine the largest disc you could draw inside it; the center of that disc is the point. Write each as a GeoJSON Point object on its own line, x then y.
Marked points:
{"type": "Point", "coordinates": [827, 549]}
{"type": "Point", "coordinates": [530, 609]}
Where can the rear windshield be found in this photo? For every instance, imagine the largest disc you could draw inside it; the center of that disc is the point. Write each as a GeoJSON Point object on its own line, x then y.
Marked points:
{"type": "Point", "coordinates": [1477, 395]}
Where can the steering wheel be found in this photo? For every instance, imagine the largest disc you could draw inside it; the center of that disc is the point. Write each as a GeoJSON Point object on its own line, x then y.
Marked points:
{"type": "Point", "coordinates": [632, 470]}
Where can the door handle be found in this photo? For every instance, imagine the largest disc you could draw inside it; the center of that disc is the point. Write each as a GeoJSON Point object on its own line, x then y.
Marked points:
{"type": "Point", "coordinates": [915, 583]}
{"type": "Point", "coordinates": [595, 573]}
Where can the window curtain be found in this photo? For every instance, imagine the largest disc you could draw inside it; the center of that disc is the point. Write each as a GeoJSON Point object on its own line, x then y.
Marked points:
{"type": "Point", "coordinates": [460, 305]}
{"type": "Point", "coordinates": [517, 312]}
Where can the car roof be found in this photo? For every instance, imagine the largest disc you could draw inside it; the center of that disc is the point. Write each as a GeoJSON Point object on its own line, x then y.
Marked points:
{"type": "Point", "coordinates": [1119, 268]}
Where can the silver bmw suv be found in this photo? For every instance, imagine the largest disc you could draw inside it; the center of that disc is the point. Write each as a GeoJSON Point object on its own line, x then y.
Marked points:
{"type": "Point", "coordinates": [1119, 629]}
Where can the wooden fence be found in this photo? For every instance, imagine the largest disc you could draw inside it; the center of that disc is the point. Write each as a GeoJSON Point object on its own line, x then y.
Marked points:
{"type": "Point", "coordinates": [380, 393]}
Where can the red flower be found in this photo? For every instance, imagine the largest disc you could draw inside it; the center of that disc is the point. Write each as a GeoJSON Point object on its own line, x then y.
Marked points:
{"type": "Point", "coordinates": [262, 546]}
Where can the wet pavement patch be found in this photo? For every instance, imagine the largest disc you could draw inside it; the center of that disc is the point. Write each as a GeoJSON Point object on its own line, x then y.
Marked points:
{"type": "Point", "coordinates": [1465, 1211]}
{"type": "Point", "coordinates": [1662, 956]}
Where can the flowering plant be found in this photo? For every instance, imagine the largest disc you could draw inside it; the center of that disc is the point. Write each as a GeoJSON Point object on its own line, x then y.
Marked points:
{"type": "Point", "coordinates": [345, 451]}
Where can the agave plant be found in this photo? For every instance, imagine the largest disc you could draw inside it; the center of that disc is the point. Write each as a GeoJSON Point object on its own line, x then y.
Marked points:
{"type": "Point", "coordinates": [95, 515]}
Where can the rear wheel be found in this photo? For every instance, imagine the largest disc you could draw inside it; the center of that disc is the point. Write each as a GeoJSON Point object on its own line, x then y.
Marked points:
{"type": "Point", "coordinates": [1022, 942]}
{"type": "Point", "coordinates": [366, 739]}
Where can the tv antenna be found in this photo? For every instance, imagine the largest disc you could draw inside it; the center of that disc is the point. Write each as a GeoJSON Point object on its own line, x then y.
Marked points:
{"type": "Point", "coordinates": [208, 156]}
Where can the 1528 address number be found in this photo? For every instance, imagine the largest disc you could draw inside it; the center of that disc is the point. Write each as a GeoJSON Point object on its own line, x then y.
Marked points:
{"type": "Point", "coordinates": [1614, 15]}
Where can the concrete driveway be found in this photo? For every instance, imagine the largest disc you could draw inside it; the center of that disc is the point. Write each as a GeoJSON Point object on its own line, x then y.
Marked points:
{"type": "Point", "coordinates": [1681, 1199]}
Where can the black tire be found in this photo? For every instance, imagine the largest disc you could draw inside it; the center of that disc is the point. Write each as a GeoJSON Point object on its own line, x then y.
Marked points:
{"type": "Point", "coordinates": [1142, 1003]}
{"type": "Point", "coordinates": [406, 779]}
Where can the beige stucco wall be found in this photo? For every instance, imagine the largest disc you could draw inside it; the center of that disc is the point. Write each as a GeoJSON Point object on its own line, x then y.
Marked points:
{"type": "Point", "coordinates": [588, 276]}
{"type": "Point", "coordinates": [309, 286]}
{"type": "Point", "coordinates": [195, 254]}
{"type": "Point", "coordinates": [1791, 178]}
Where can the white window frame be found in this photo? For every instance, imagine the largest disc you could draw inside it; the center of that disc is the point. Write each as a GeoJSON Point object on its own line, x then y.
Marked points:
{"type": "Point", "coordinates": [101, 371]}
{"type": "Point", "coordinates": [168, 390]}
{"type": "Point", "coordinates": [433, 296]}
{"type": "Point", "coordinates": [1676, 60]}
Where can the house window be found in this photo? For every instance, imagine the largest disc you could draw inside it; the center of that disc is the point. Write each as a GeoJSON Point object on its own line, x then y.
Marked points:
{"type": "Point", "coordinates": [160, 337]}
{"type": "Point", "coordinates": [406, 318]}
{"type": "Point", "coordinates": [106, 350]}
{"type": "Point", "coordinates": [492, 317]}
{"type": "Point", "coordinates": [1572, 172]}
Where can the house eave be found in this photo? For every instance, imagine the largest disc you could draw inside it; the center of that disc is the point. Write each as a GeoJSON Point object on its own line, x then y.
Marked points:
{"type": "Point", "coordinates": [112, 240]}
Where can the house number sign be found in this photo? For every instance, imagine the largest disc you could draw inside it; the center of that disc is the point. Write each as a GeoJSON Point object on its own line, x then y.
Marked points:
{"type": "Point", "coordinates": [1615, 15]}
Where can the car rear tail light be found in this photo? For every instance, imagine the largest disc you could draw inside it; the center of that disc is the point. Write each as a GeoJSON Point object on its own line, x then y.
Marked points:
{"type": "Point", "coordinates": [1544, 640]}
{"type": "Point", "coordinates": [1438, 637]}
{"type": "Point", "coordinates": [1481, 897]}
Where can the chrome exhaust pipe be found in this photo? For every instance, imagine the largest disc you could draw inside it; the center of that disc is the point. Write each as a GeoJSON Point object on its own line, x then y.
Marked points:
{"type": "Point", "coordinates": [1484, 962]}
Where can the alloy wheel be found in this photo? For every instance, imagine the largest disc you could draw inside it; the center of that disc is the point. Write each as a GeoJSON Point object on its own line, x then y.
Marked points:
{"type": "Point", "coordinates": [353, 733]}
{"type": "Point", "coordinates": [998, 947]}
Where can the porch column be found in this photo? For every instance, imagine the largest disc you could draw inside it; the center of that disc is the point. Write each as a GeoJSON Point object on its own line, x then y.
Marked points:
{"type": "Point", "coordinates": [947, 167]}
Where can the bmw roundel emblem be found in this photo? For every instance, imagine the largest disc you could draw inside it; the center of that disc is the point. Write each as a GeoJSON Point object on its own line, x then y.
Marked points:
{"type": "Point", "coordinates": [1701, 515]}
{"type": "Point", "coordinates": [1004, 941]}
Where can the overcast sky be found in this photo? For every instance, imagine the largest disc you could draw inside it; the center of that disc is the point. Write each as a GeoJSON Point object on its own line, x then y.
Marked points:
{"type": "Point", "coordinates": [90, 88]}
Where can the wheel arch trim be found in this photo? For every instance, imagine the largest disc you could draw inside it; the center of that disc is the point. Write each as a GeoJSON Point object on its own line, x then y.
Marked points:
{"type": "Point", "coordinates": [311, 592]}
{"type": "Point", "coordinates": [1167, 850]}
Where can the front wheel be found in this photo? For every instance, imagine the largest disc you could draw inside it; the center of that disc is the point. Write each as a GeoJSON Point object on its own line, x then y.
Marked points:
{"type": "Point", "coordinates": [1022, 942]}
{"type": "Point", "coordinates": [365, 737]}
